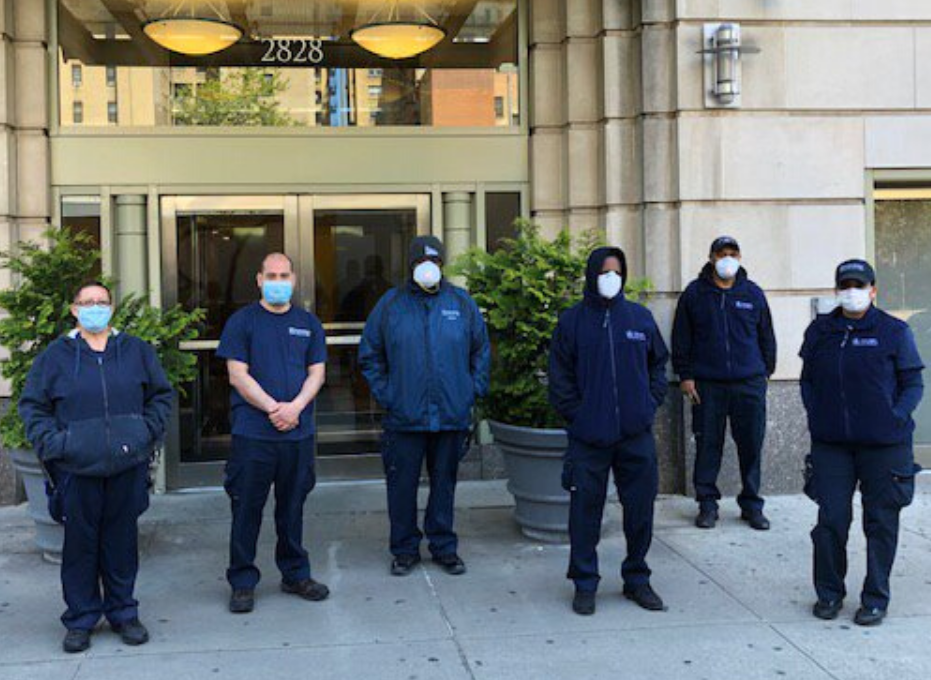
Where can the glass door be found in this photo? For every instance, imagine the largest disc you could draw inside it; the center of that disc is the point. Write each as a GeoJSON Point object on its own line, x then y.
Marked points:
{"type": "Point", "coordinates": [212, 249]}
{"type": "Point", "coordinates": [359, 252]}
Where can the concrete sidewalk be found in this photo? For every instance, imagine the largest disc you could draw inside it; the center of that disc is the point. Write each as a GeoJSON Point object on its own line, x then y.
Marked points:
{"type": "Point", "coordinates": [739, 602]}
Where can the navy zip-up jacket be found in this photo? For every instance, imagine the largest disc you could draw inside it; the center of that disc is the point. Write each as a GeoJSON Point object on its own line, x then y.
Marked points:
{"type": "Point", "coordinates": [861, 379]}
{"type": "Point", "coordinates": [723, 334]}
{"type": "Point", "coordinates": [96, 414]}
{"type": "Point", "coordinates": [426, 357]}
{"type": "Point", "coordinates": [607, 364]}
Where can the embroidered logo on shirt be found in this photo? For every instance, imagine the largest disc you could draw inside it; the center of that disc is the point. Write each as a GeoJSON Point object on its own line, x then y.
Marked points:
{"type": "Point", "coordinates": [299, 332]}
{"type": "Point", "coordinates": [450, 314]}
{"type": "Point", "coordinates": [637, 335]}
{"type": "Point", "coordinates": [743, 305]}
{"type": "Point", "coordinates": [865, 342]}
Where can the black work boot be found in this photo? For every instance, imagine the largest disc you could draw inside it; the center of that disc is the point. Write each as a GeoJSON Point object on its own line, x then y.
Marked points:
{"type": "Point", "coordinates": [869, 616]}
{"type": "Point", "coordinates": [402, 565]}
{"type": "Point", "coordinates": [242, 601]}
{"type": "Point", "coordinates": [132, 632]}
{"type": "Point", "coordinates": [707, 518]}
{"type": "Point", "coordinates": [76, 640]}
{"type": "Point", "coordinates": [646, 597]}
{"type": "Point", "coordinates": [756, 519]}
{"type": "Point", "coordinates": [583, 603]}
{"type": "Point", "coordinates": [827, 610]}
{"type": "Point", "coordinates": [307, 589]}
{"type": "Point", "coordinates": [452, 564]}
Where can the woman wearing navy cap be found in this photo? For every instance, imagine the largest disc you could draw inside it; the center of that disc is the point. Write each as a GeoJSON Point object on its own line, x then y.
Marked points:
{"type": "Point", "coordinates": [861, 381]}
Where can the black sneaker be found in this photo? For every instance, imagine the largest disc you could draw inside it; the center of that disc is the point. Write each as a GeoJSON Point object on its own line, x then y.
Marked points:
{"type": "Point", "coordinates": [707, 518]}
{"type": "Point", "coordinates": [402, 565]}
{"type": "Point", "coordinates": [757, 520]}
{"type": "Point", "coordinates": [646, 597]}
{"type": "Point", "coordinates": [452, 564]}
{"type": "Point", "coordinates": [583, 603]}
{"type": "Point", "coordinates": [242, 601]}
{"type": "Point", "coordinates": [869, 616]}
{"type": "Point", "coordinates": [76, 640]}
{"type": "Point", "coordinates": [826, 610]}
{"type": "Point", "coordinates": [307, 589]}
{"type": "Point", "coordinates": [132, 632]}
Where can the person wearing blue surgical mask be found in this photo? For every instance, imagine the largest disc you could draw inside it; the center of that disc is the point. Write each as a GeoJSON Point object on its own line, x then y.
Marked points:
{"type": "Point", "coordinates": [861, 382]}
{"type": "Point", "coordinates": [95, 405]}
{"type": "Point", "coordinates": [276, 356]}
{"type": "Point", "coordinates": [724, 350]}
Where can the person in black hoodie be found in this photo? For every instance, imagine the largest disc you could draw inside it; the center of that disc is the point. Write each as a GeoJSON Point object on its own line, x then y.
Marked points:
{"type": "Point", "coordinates": [95, 405]}
{"type": "Point", "coordinates": [606, 379]}
{"type": "Point", "coordinates": [861, 382]}
{"type": "Point", "coordinates": [724, 349]}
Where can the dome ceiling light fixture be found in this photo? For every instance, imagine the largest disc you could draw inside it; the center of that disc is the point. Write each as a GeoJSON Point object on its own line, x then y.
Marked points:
{"type": "Point", "coordinates": [195, 28]}
{"type": "Point", "coordinates": [393, 37]}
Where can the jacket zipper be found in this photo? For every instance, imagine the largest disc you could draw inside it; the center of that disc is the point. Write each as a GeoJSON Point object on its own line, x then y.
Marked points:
{"type": "Point", "coordinates": [426, 342]}
{"type": "Point", "coordinates": [106, 404]}
{"type": "Point", "coordinates": [843, 391]}
{"type": "Point", "coordinates": [727, 333]}
{"type": "Point", "coordinates": [617, 400]}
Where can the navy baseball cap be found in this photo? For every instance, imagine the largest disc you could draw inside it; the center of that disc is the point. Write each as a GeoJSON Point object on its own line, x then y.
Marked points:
{"type": "Point", "coordinates": [425, 247]}
{"type": "Point", "coordinates": [722, 242]}
{"type": "Point", "coordinates": [855, 270]}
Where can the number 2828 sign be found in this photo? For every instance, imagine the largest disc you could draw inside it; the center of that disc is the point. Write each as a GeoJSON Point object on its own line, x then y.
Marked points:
{"type": "Point", "coordinates": [292, 51]}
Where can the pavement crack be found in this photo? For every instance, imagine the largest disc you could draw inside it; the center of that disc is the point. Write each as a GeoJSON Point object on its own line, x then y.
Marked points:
{"type": "Point", "coordinates": [463, 658]}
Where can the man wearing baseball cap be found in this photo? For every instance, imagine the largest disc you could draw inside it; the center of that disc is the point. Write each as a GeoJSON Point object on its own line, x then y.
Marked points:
{"type": "Point", "coordinates": [724, 349]}
{"type": "Point", "coordinates": [426, 356]}
{"type": "Point", "coordinates": [861, 382]}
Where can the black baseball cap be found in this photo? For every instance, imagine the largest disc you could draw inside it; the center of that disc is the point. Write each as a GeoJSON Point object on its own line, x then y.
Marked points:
{"type": "Point", "coordinates": [426, 247]}
{"type": "Point", "coordinates": [722, 242]}
{"type": "Point", "coordinates": [855, 270]}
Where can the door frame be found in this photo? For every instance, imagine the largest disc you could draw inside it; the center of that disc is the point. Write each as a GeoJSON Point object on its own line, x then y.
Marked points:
{"type": "Point", "coordinates": [299, 230]}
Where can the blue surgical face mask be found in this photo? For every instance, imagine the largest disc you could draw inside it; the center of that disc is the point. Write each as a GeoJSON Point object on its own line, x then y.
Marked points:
{"type": "Point", "coordinates": [96, 318]}
{"type": "Point", "coordinates": [277, 293]}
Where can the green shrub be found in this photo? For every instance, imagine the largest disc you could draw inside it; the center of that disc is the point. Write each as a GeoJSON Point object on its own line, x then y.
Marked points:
{"type": "Point", "coordinates": [38, 311]}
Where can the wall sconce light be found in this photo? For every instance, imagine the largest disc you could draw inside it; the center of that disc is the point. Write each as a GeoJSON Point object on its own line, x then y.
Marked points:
{"type": "Point", "coordinates": [722, 51]}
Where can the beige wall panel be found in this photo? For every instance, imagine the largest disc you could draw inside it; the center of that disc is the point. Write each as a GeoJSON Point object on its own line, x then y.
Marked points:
{"type": "Point", "coordinates": [548, 185]}
{"type": "Point", "coordinates": [659, 69]}
{"type": "Point", "coordinates": [29, 20]}
{"type": "Point", "coordinates": [923, 68]}
{"type": "Point", "coordinates": [622, 80]}
{"type": "Point", "coordinates": [547, 21]}
{"type": "Point", "coordinates": [584, 78]}
{"type": "Point", "coordinates": [548, 101]}
{"type": "Point", "coordinates": [7, 171]}
{"type": "Point", "coordinates": [656, 11]}
{"type": "Point", "coordinates": [623, 162]}
{"type": "Point", "coordinates": [791, 316]}
{"type": "Point", "coordinates": [660, 160]}
{"type": "Point", "coordinates": [898, 141]}
{"type": "Point", "coordinates": [586, 170]}
{"type": "Point", "coordinates": [662, 245]}
{"type": "Point", "coordinates": [770, 157]}
{"type": "Point", "coordinates": [624, 229]}
{"type": "Point", "coordinates": [32, 181]}
{"type": "Point", "coordinates": [583, 18]}
{"type": "Point", "coordinates": [30, 98]}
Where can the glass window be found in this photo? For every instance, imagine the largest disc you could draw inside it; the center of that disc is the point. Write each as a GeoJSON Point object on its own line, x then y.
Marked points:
{"type": "Point", "coordinates": [502, 209]}
{"type": "Point", "coordinates": [295, 50]}
{"type": "Point", "coordinates": [77, 113]}
{"type": "Point", "coordinates": [903, 272]}
{"type": "Point", "coordinates": [77, 75]}
{"type": "Point", "coordinates": [112, 113]}
{"type": "Point", "coordinates": [81, 214]}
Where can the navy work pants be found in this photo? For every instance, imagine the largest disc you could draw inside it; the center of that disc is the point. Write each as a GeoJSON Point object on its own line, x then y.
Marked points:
{"type": "Point", "coordinates": [886, 477]}
{"type": "Point", "coordinates": [744, 403]}
{"type": "Point", "coordinates": [101, 548]}
{"type": "Point", "coordinates": [585, 475]}
{"type": "Point", "coordinates": [403, 454]}
{"type": "Point", "coordinates": [253, 467]}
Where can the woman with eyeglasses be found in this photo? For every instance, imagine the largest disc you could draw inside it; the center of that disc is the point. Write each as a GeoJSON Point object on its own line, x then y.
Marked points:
{"type": "Point", "coordinates": [95, 405]}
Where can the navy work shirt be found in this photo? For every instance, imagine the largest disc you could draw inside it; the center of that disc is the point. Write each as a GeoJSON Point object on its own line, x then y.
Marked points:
{"type": "Point", "coordinates": [278, 348]}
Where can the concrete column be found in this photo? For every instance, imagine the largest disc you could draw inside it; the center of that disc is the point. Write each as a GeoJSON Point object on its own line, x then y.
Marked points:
{"type": "Point", "coordinates": [457, 224]}
{"type": "Point", "coordinates": [130, 244]}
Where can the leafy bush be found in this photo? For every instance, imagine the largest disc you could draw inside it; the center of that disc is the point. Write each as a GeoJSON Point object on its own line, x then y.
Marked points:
{"type": "Point", "coordinates": [38, 311]}
{"type": "Point", "coordinates": [522, 289]}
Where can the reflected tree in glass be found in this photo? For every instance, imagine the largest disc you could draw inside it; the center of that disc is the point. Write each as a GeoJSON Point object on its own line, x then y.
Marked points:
{"type": "Point", "coordinates": [237, 98]}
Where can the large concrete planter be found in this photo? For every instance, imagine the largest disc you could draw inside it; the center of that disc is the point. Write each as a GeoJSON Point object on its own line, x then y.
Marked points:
{"type": "Point", "coordinates": [533, 459]}
{"type": "Point", "coordinates": [50, 536]}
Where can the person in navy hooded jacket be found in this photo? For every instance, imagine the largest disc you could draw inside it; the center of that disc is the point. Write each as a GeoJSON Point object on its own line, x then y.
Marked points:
{"type": "Point", "coordinates": [426, 356]}
{"type": "Point", "coordinates": [724, 349]}
{"type": "Point", "coordinates": [861, 382]}
{"type": "Point", "coordinates": [606, 379]}
{"type": "Point", "coordinates": [95, 405]}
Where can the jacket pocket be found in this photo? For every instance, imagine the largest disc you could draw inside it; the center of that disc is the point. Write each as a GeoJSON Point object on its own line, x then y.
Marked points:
{"type": "Point", "coordinates": [85, 448]}
{"type": "Point", "coordinates": [902, 486]}
{"type": "Point", "coordinates": [568, 475]}
{"type": "Point", "coordinates": [131, 442]}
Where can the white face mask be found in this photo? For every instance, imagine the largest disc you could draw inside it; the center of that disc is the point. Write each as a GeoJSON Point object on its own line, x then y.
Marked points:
{"type": "Point", "coordinates": [427, 275]}
{"type": "Point", "coordinates": [854, 300]}
{"type": "Point", "coordinates": [610, 284]}
{"type": "Point", "coordinates": [727, 267]}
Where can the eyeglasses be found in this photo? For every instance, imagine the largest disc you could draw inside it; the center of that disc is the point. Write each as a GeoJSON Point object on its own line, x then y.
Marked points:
{"type": "Point", "coordinates": [92, 303]}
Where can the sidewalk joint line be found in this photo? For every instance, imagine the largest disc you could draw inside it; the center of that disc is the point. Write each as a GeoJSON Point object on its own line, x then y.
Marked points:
{"type": "Point", "coordinates": [463, 659]}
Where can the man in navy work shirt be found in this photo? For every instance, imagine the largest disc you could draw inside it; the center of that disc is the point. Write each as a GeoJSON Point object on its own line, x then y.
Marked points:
{"type": "Point", "coordinates": [425, 353]}
{"type": "Point", "coordinates": [276, 356]}
{"type": "Point", "coordinates": [861, 382]}
{"type": "Point", "coordinates": [724, 349]}
{"type": "Point", "coordinates": [607, 377]}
